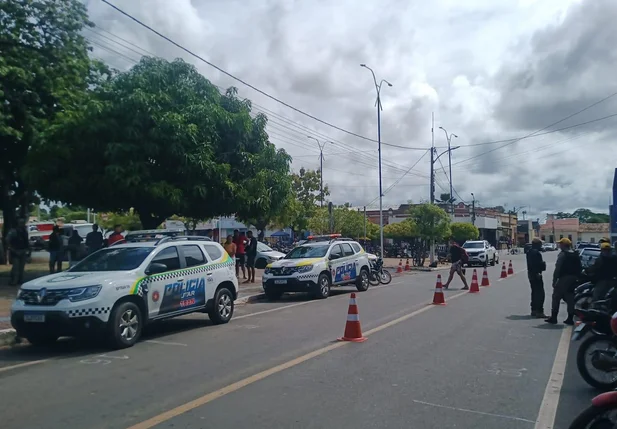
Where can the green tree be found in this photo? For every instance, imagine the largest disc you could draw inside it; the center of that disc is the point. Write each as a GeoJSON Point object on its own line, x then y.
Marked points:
{"type": "Point", "coordinates": [349, 223]}
{"type": "Point", "coordinates": [305, 191]}
{"type": "Point", "coordinates": [129, 221]}
{"type": "Point", "coordinates": [585, 216]}
{"type": "Point", "coordinates": [403, 230]}
{"type": "Point", "coordinates": [432, 222]}
{"type": "Point", "coordinates": [462, 231]}
{"type": "Point", "coordinates": [445, 198]}
{"type": "Point", "coordinates": [44, 70]}
{"type": "Point", "coordinates": [161, 139]}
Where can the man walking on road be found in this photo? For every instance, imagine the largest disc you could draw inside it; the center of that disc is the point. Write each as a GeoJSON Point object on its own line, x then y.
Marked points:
{"type": "Point", "coordinates": [251, 255]}
{"type": "Point", "coordinates": [567, 269]}
{"type": "Point", "coordinates": [535, 267]}
{"type": "Point", "coordinates": [458, 256]}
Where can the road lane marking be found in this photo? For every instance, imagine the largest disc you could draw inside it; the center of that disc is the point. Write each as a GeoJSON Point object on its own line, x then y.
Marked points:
{"type": "Point", "coordinates": [548, 409]}
{"type": "Point", "coordinates": [165, 343]}
{"type": "Point", "coordinates": [464, 410]}
{"type": "Point", "coordinates": [23, 365]}
{"type": "Point", "coordinates": [272, 310]}
{"type": "Point", "coordinates": [209, 397]}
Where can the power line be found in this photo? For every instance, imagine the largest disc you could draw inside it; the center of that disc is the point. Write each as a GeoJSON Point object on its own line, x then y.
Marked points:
{"type": "Point", "coordinates": [254, 88]}
{"type": "Point", "coordinates": [546, 127]}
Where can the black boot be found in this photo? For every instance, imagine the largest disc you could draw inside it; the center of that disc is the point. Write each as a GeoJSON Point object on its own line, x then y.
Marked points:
{"type": "Point", "coordinates": [569, 320]}
{"type": "Point", "coordinates": [552, 319]}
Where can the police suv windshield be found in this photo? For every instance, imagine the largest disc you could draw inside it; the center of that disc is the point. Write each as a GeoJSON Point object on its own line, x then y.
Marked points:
{"type": "Point", "coordinates": [113, 259]}
{"type": "Point", "coordinates": [473, 245]}
{"type": "Point", "coordinates": [300, 252]}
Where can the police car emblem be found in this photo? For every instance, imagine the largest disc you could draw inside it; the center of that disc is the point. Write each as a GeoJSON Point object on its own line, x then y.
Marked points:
{"type": "Point", "coordinates": [155, 296]}
{"type": "Point", "coordinates": [41, 295]}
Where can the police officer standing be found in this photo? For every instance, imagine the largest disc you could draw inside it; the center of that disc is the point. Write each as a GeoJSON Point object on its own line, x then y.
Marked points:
{"type": "Point", "coordinates": [567, 269]}
{"type": "Point", "coordinates": [535, 267]}
{"type": "Point", "coordinates": [604, 270]}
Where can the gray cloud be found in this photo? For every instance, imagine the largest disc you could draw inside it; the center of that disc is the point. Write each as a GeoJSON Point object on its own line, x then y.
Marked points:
{"type": "Point", "coordinates": [484, 75]}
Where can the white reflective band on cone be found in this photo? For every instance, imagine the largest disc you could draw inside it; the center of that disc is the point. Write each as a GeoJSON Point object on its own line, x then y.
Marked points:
{"type": "Point", "coordinates": [352, 301]}
{"type": "Point", "coordinates": [353, 318]}
{"type": "Point", "coordinates": [438, 290]}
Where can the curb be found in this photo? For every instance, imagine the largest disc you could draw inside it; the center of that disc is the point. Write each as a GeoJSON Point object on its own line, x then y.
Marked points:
{"type": "Point", "coordinates": [7, 337]}
{"type": "Point", "coordinates": [250, 298]}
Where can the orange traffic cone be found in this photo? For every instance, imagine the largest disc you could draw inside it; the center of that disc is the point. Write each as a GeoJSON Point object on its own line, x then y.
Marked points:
{"type": "Point", "coordinates": [485, 281]}
{"type": "Point", "coordinates": [399, 269]}
{"type": "Point", "coordinates": [407, 267]}
{"type": "Point", "coordinates": [438, 297]}
{"type": "Point", "coordinates": [474, 288]}
{"type": "Point", "coordinates": [353, 331]}
{"type": "Point", "coordinates": [504, 273]}
{"type": "Point", "coordinates": [510, 269]}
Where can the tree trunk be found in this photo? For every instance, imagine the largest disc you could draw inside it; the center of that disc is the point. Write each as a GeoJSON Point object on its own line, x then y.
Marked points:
{"type": "Point", "coordinates": [149, 221]}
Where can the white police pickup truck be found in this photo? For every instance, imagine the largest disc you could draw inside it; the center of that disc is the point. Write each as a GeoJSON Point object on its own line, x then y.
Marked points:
{"type": "Point", "coordinates": [117, 290]}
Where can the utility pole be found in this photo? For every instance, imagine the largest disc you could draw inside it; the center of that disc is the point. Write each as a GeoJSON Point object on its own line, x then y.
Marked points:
{"type": "Point", "coordinates": [321, 160]}
{"type": "Point", "coordinates": [432, 176]}
{"type": "Point", "coordinates": [365, 223]}
{"type": "Point", "coordinates": [473, 209]}
{"type": "Point", "coordinates": [449, 139]}
{"type": "Point", "coordinates": [379, 108]}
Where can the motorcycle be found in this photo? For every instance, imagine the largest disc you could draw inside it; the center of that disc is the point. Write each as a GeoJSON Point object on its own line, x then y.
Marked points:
{"type": "Point", "coordinates": [378, 273]}
{"type": "Point", "coordinates": [589, 357]}
{"type": "Point", "coordinates": [598, 415]}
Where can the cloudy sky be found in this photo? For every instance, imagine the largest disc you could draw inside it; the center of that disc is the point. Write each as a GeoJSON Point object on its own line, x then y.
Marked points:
{"type": "Point", "coordinates": [489, 70]}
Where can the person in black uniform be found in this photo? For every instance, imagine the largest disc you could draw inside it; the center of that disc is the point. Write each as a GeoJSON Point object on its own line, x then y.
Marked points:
{"type": "Point", "coordinates": [535, 267]}
{"type": "Point", "coordinates": [604, 271]}
{"type": "Point", "coordinates": [567, 269]}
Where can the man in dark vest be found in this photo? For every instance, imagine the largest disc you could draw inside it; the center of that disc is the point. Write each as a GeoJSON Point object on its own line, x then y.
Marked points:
{"type": "Point", "coordinates": [567, 269]}
{"type": "Point", "coordinates": [19, 250]}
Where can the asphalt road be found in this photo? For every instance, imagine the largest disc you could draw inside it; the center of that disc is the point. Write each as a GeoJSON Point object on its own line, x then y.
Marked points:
{"type": "Point", "coordinates": [479, 362]}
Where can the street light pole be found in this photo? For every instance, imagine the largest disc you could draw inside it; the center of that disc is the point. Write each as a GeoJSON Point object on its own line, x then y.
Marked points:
{"type": "Point", "coordinates": [378, 104]}
{"type": "Point", "coordinates": [321, 159]}
{"type": "Point", "coordinates": [449, 139]}
{"type": "Point", "coordinates": [473, 209]}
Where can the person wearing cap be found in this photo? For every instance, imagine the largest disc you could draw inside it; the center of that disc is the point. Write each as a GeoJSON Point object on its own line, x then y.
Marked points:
{"type": "Point", "coordinates": [603, 271]}
{"type": "Point", "coordinates": [535, 267]}
{"type": "Point", "coordinates": [567, 270]}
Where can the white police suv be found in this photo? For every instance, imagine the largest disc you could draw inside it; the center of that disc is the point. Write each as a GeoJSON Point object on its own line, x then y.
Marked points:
{"type": "Point", "coordinates": [117, 290]}
{"type": "Point", "coordinates": [316, 265]}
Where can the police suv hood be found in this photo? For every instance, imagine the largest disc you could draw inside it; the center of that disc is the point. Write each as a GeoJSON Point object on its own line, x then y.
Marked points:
{"type": "Point", "coordinates": [295, 262]}
{"type": "Point", "coordinates": [68, 279]}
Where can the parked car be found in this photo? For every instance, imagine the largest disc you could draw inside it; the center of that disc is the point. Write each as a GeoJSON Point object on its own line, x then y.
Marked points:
{"type": "Point", "coordinates": [549, 247]}
{"type": "Point", "coordinates": [118, 290]}
{"type": "Point", "coordinates": [481, 252]}
{"type": "Point", "coordinates": [266, 255]}
{"type": "Point", "coordinates": [588, 256]}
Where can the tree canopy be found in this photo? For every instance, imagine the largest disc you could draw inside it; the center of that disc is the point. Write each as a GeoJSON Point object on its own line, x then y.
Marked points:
{"type": "Point", "coordinates": [403, 230]}
{"type": "Point", "coordinates": [44, 70]}
{"type": "Point", "coordinates": [585, 216]}
{"type": "Point", "coordinates": [303, 202]}
{"type": "Point", "coordinates": [432, 222]}
{"type": "Point", "coordinates": [161, 139]}
{"type": "Point", "coordinates": [463, 231]}
{"type": "Point", "coordinates": [349, 223]}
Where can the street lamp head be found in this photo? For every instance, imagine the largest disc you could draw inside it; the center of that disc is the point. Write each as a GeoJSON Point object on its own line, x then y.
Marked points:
{"type": "Point", "coordinates": [455, 135]}
{"type": "Point", "coordinates": [441, 128]}
{"type": "Point", "coordinates": [389, 84]}
{"type": "Point", "coordinates": [362, 65]}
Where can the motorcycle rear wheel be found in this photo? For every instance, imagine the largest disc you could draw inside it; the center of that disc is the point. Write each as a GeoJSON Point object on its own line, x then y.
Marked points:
{"type": "Point", "coordinates": [581, 363]}
{"type": "Point", "coordinates": [593, 416]}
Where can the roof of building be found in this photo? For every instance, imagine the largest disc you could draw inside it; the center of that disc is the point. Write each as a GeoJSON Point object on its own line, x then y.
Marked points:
{"type": "Point", "coordinates": [594, 227]}
{"type": "Point", "coordinates": [569, 224]}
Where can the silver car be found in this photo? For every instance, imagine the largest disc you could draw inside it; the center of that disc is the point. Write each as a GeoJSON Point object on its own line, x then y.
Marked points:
{"type": "Point", "coordinates": [266, 255]}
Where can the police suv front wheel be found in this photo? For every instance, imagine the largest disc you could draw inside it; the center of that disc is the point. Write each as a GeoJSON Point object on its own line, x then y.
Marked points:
{"type": "Point", "coordinates": [362, 283]}
{"type": "Point", "coordinates": [323, 286]}
{"type": "Point", "coordinates": [223, 307]}
{"type": "Point", "coordinates": [125, 324]}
